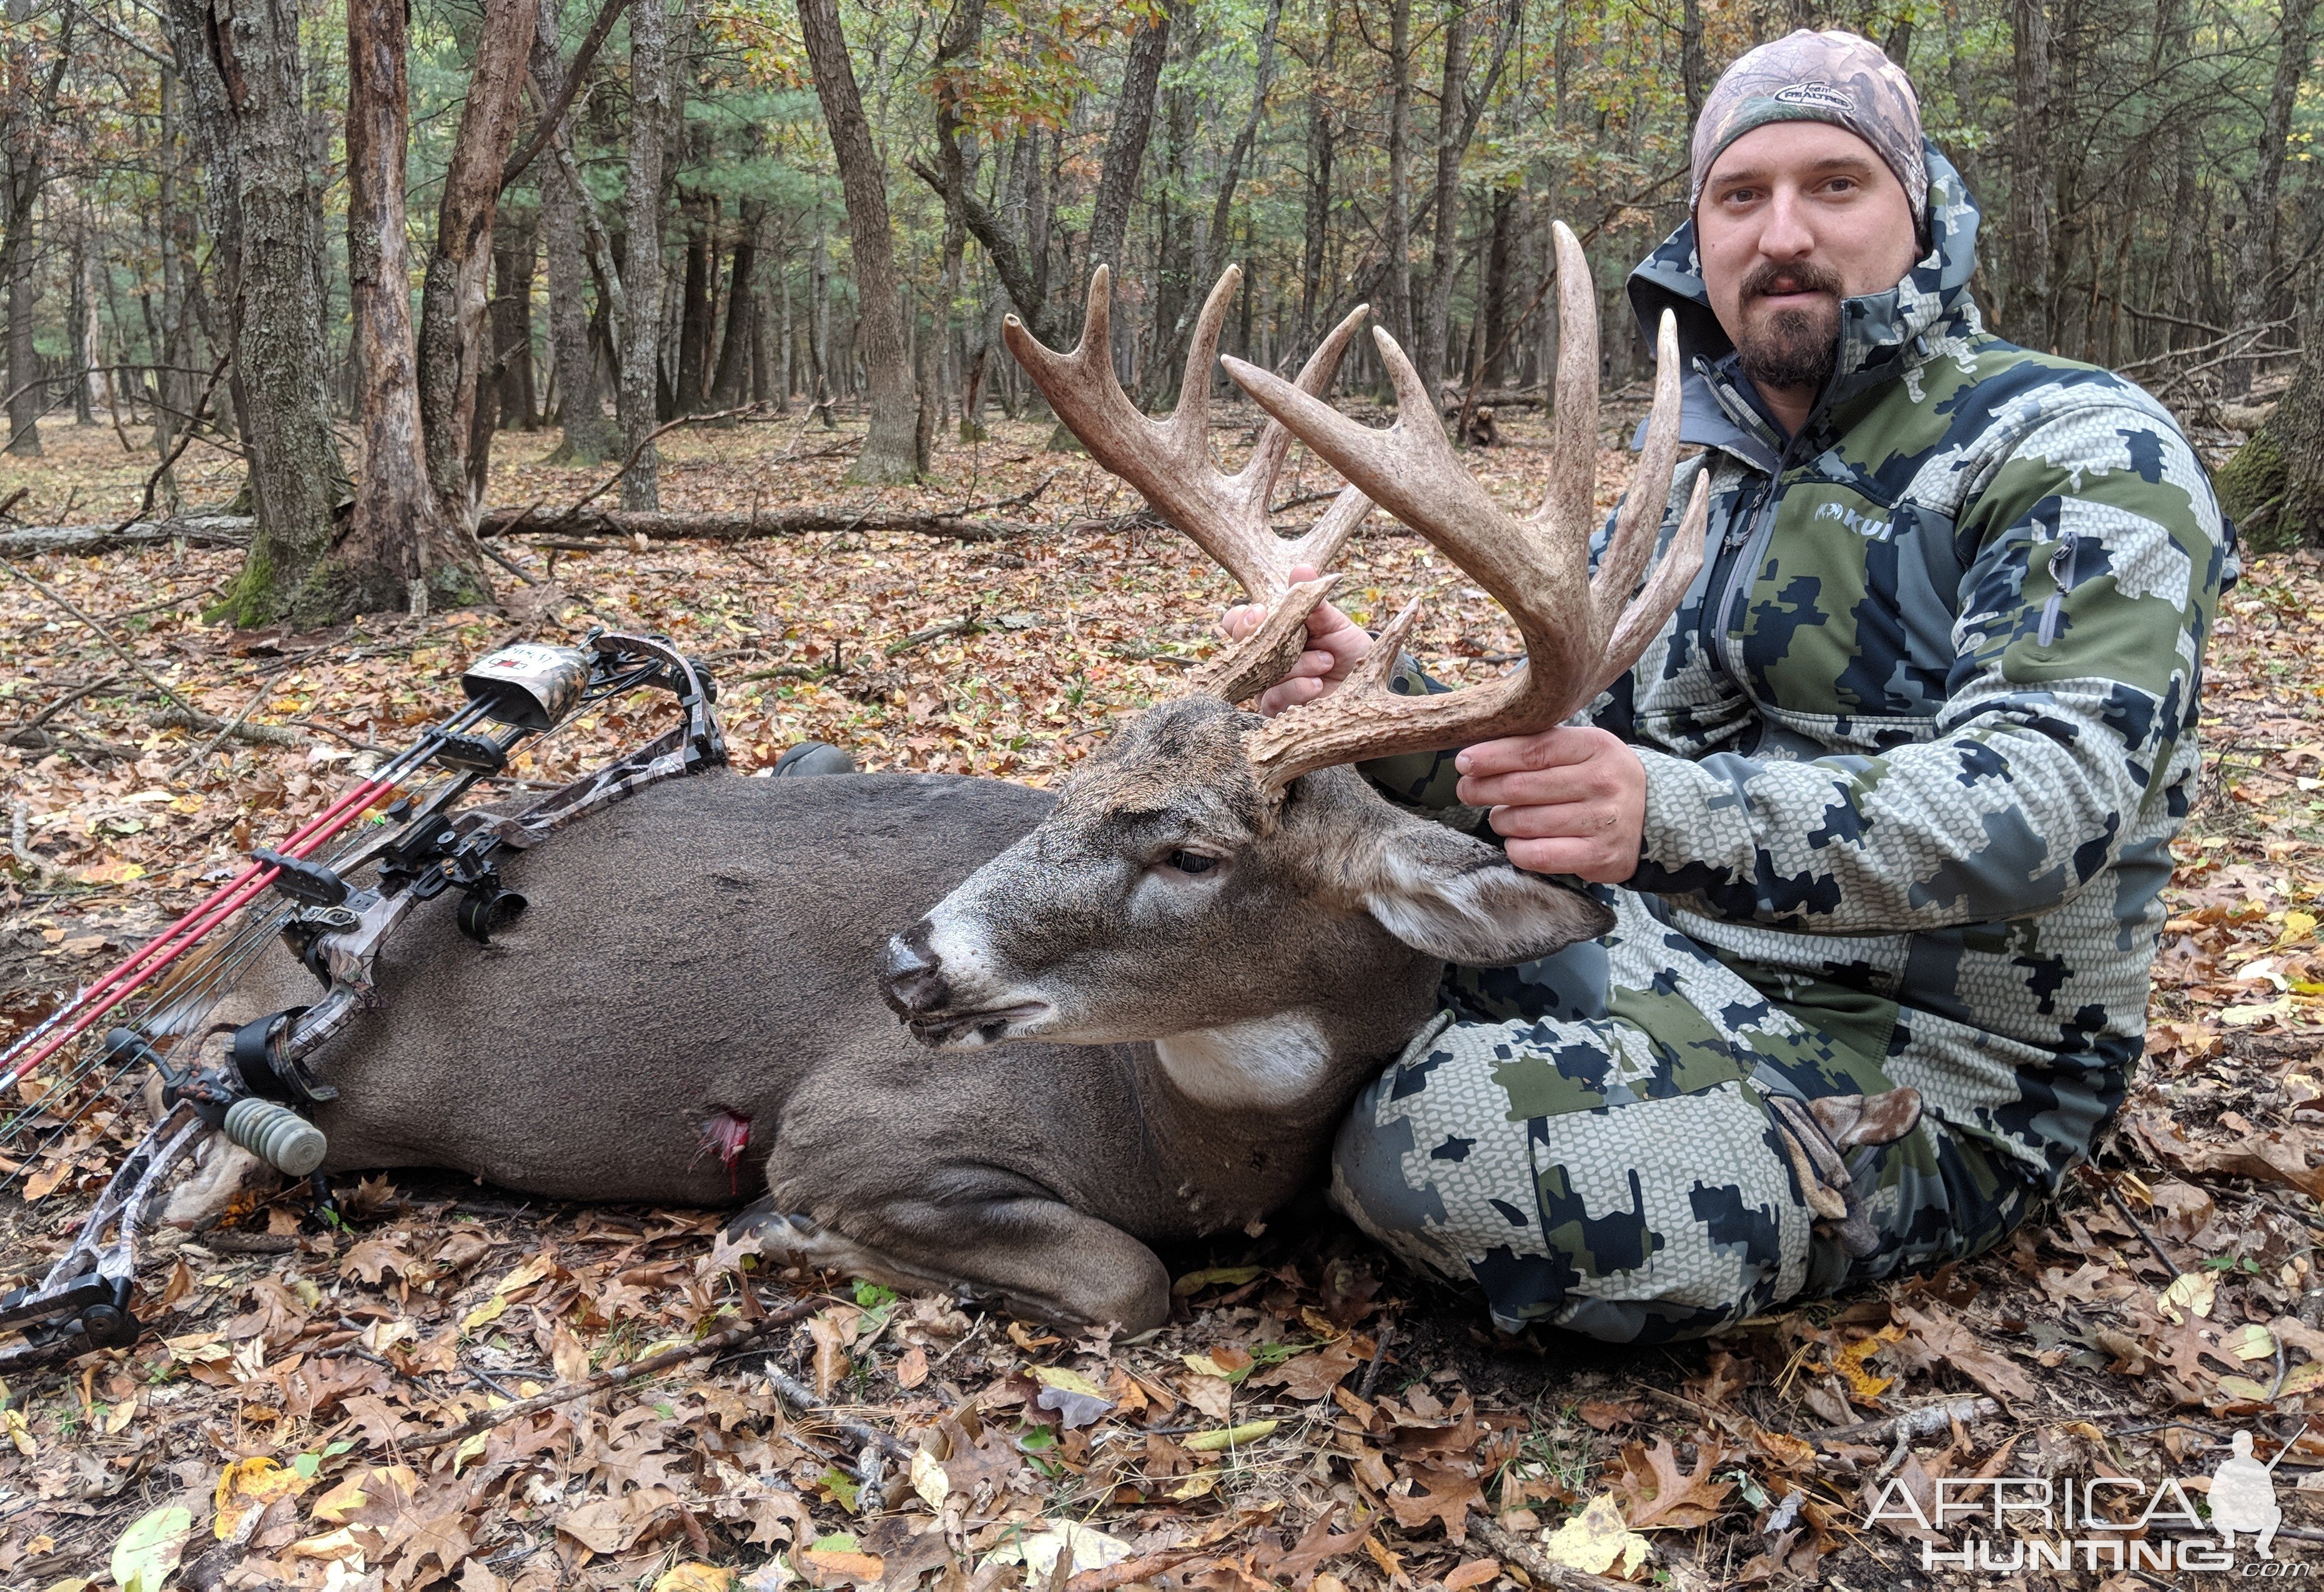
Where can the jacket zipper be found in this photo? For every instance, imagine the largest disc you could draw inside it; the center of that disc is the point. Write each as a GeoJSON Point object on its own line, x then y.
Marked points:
{"type": "Point", "coordinates": [1738, 542]}
{"type": "Point", "coordinates": [2061, 579]}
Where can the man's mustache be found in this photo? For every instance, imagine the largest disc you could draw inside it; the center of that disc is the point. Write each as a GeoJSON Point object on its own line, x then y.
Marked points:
{"type": "Point", "coordinates": [1799, 277]}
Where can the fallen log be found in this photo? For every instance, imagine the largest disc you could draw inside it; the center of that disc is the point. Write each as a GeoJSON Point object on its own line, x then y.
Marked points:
{"type": "Point", "coordinates": [195, 531]}
{"type": "Point", "coordinates": [740, 525]}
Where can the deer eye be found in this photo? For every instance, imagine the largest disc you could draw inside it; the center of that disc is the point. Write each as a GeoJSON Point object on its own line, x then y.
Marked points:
{"type": "Point", "coordinates": [1191, 861]}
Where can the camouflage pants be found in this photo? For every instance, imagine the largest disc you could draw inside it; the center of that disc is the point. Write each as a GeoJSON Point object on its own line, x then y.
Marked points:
{"type": "Point", "coordinates": [1588, 1138]}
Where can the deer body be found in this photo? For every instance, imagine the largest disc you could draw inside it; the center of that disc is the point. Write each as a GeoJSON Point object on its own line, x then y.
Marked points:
{"type": "Point", "coordinates": [706, 955]}
{"type": "Point", "coordinates": [1194, 954]}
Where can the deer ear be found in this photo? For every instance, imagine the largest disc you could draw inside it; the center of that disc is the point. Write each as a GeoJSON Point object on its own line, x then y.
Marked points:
{"type": "Point", "coordinates": [1441, 892]}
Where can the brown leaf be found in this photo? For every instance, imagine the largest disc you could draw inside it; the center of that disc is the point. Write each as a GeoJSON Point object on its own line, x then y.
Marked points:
{"type": "Point", "coordinates": [830, 1362]}
{"type": "Point", "coordinates": [1316, 1547]}
{"type": "Point", "coordinates": [1310, 1377]}
{"type": "Point", "coordinates": [1958, 1347]}
{"type": "Point", "coordinates": [1476, 1572]}
{"type": "Point", "coordinates": [912, 1368]}
{"type": "Point", "coordinates": [1604, 1414]}
{"type": "Point", "coordinates": [1658, 1494]}
{"type": "Point", "coordinates": [1438, 1493]}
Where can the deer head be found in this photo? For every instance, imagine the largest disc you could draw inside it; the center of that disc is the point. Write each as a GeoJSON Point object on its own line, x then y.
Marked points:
{"type": "Point", "coordinates": [1209, 869]}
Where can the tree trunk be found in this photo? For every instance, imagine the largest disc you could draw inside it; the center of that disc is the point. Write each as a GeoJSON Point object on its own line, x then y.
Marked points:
{"type": "Point", "coordinates": [734, 384]}
{"type": "Point", "coordinates": [589, 436]}
{"type": "Point", "coordinates": [455, 302]}
{"type": "Point", "coordinates": [1496, 283]}
{"type": "Point", "coordinates": [1125, 145]}
{"type": "Point", "coordinates": [515, 253]}
{"type": "Point", "coordinates": [641, 265]}
{"type": "Point", "coordinates": [1398, 238]}
{"type": "Point", "coordinates": [25, 389]}
{"type": "Point", "coordinates": [892, 449]}
{"type": "Point", "coordinates": [2274, 485]}
{"type": "Point", "coordinates": [2256, 257]}
{"type": "Point", "coordinates": [1318, 209]}
{"type": "Point", "coordinates": [2028, 305]}
{"type": "Point", "coordinates": [23, 134]}
{"type": "Point", "coordinates": [249, 121]}
{"type": "Point", "coordinates": [694, 310]}
{"type": "Point", "coordinates": [399, 520]}
{"type": "Point", "coordinates": [1210, 246]}
{"type": "Point", "coordinates": [1693, 71]}
{"type": "Point", "coordinates": [1457, 115]}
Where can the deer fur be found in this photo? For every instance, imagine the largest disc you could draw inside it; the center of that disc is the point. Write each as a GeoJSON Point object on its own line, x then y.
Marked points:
{"type": "Point", "coordinates": [712, 949]}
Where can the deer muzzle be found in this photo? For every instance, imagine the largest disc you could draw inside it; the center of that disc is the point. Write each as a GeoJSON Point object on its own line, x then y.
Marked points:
{"type": "Point", "coordinates": [913, 982]}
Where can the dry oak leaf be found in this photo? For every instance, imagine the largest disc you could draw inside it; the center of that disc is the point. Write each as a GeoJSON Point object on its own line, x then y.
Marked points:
{"type": "Point", "coordinates": [1662, 1496]}
{"type": "Point", "coordinates": [374, 1258]}
{"type": "Point", "coordinates": [1316, 1547]}
{"type": "Point", "coordinates": [1476, 1572]}
{"type": "Point", "coordinates": [1450, 1494]}
{"type": "Point", "coordinates": [1313, 1376]}
{"type": "Point", "coordinates": [2270, 1155]}
{"type": "Point", "coordinates": [1958, 1347]}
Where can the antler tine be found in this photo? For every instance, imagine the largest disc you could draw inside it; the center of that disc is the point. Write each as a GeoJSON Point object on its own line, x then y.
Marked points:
{"type": "Point", "coordinates": [1256, 479]}
{"type": "Point", "coordinates": [1169, 460]}
{"type": "Point", "coordinates": [1633, 538]}
{"type": "Point", "coordinates": [1570, 497]}
{"type": "Point", "coordinates": [1579, 633]}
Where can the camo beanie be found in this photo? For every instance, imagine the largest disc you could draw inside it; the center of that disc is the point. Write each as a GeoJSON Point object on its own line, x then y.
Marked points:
{"type": "Point", "coordinates": [1834, 77]}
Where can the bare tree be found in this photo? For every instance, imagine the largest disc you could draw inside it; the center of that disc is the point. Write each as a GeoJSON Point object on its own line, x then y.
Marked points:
{"type": "Point", "coordinates": [398, 520]}
{"type": "Point", "coordinates": [250, 128]}
{"type": "Point", "coordinates": [896, 447]}
{"type": "Point", "coordinates": [2257, 251]}
{"type": "Point", "coordinates": [453, 299]}
{"type": "Point", "coordinates": [641, 273]}
{"type": "Point", "coordinates": [1458, 111]}
{"type": "Point", "coordinates": [568, 216]}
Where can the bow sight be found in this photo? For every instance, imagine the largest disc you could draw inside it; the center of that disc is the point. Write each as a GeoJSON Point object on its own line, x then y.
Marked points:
{"type": "Point", "coordinates": [253, 1083]}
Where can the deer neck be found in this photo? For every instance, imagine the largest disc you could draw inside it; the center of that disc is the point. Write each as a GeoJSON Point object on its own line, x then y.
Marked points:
{"type": "Point", "coordinates": [1285, 1063]}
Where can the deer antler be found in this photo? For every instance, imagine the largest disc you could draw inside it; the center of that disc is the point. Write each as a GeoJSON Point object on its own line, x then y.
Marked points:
{"type": "Point", "coordinates": [1169, 461]}
{"type": "Point", "coordinates": [1580, 632]}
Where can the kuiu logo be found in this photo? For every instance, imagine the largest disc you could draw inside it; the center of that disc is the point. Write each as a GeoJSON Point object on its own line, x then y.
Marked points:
{"type": "Point", "coordinates": [1820, 97]}
{"type": "Point", "coordinates": [2065, 1524]}
{"type": "Point", "coordinates": [1863, 525]}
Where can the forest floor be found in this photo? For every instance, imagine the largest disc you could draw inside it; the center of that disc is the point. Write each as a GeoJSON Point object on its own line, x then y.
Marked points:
{"type": "Point", "coordinates": [1312, 1416]}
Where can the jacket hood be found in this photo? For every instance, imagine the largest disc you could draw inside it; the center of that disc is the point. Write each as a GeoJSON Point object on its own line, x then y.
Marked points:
{"type": "Point", "coordinates": [1881, 334]}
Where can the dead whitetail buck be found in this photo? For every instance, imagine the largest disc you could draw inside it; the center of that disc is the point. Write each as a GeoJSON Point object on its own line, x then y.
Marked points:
{"type": "Point", "coordinates": [1206, 941]}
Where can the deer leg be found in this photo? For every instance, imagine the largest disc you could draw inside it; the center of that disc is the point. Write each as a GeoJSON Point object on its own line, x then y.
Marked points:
{"type": "Point", "coordinates": [1011, 1243]}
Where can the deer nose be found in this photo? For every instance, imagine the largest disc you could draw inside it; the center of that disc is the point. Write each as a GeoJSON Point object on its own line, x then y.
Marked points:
{"type": "Point", "coordinates": [912, 975]}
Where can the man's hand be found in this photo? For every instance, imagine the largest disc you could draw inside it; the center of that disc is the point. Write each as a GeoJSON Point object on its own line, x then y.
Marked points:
{"type": "Point", "coordinates": [1570, 800]}
{"type": "Point", "coordinates": [1336, 644]}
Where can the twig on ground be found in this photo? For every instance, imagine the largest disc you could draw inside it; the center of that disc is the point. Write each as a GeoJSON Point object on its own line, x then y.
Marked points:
{"type": "Point", "coordinates": [1380, 1340]}
{"type": "Point", "coordinates": [620, 1375]}
{"type": "Point", "coordinates": [58, 706]}
{"type": "Point", "coordinates": [257, 697]}
{"type": "Point", "coordinates": [2107, 1185]}
{"type": "Point", "coordinates": [1925, 1422]}
{"type": "Point", "coordinates": [806, 1402]}
{"type": "Point", "coordinates": [1543, 1570]}
{"type": "Point", "coordinates": [101, 634]}
{"type": "Point", "coordinates": [965, 624]}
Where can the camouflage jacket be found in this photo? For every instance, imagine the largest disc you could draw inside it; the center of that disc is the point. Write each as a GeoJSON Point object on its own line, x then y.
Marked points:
{"type": "Point", "coordinates": [1918, 739]}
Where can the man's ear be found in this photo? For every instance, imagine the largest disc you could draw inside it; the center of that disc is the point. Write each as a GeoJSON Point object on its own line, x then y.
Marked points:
{"type": "Point", "coordinates": [1459, 898]}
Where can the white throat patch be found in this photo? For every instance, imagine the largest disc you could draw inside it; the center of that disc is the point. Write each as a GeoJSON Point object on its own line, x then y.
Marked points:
{"type": "Point", "coordinates": [1266, 1062]}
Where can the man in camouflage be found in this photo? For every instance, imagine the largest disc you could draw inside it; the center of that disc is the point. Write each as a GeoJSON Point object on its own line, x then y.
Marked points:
{"type": "Point", "coordinates": [1884, 813]}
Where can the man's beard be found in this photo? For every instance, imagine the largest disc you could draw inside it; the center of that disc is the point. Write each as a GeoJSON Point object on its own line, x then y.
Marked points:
{"type": "Point", "coordinates": [1793, 347]}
